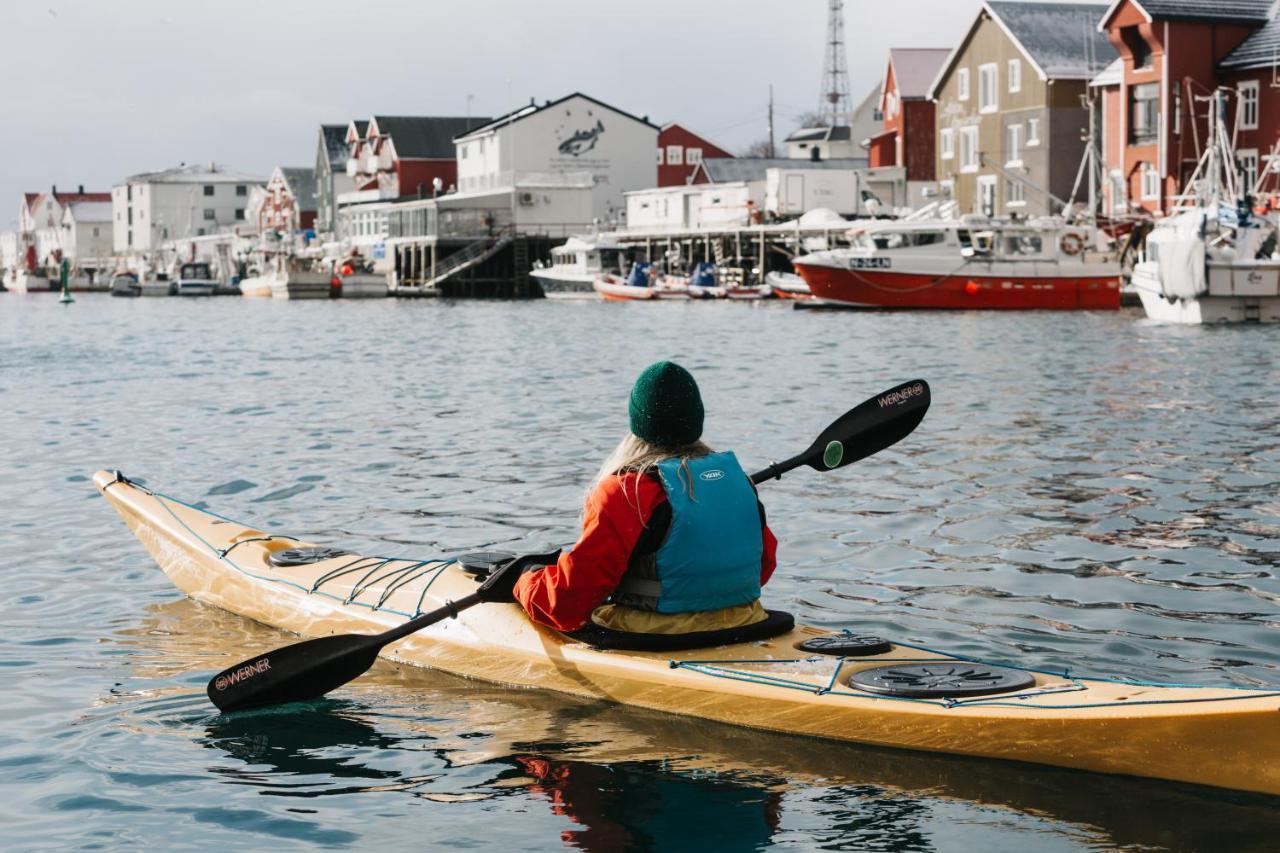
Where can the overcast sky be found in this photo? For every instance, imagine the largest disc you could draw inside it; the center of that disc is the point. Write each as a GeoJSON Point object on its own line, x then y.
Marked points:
{"type": "Point", "coordinates": [96, 90]}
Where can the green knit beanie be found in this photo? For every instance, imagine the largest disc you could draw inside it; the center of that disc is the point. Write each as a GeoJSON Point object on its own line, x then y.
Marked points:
{"type": "Point", "coordinates": [665, 406]}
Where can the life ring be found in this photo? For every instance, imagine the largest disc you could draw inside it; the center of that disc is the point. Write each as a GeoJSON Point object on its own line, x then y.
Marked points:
{"type": "Point", "coordinates": [1071, 243]}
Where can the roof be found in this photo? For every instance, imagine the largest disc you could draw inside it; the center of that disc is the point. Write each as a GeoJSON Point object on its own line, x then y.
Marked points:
{"type": "Point", "coordinates": [1112, 75]}
{"type": "Point", "coordinates": [531, 108]}
{"type": "Point", "coordinates": [698, 136]}
{"type": "Point", "coordinates": [302, 183]}
{"type": "Point", "coordinates": [1246, 11]}
{"type": "Point", "coordinates": [915, 67]}
{"type": "Point", "coordinates": [723, 170]}
{"type": "Point", "coordinates": [1257, 51]}
{"type": "Point", "coordinates": [71, 198]}
{"type": "Point", "coordinates": [334, 139]}
{"type": "Point", "coordinates": [90, 211]}
{"type": "Point", "coordinates": [1062, 39]}
{"type": "Point", "coordinates": [820, 134]}
{"type": "Point", "coordinates": [203, 173]}
{"type": "Point", "coordinates": [425, 137]}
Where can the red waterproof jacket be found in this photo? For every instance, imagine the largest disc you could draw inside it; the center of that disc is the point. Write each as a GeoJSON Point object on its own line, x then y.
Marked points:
{"type": "Point", "coordinates": [562, 596]}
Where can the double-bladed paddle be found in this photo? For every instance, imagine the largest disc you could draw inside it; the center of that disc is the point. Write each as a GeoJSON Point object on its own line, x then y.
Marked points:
{"type": "Point", "coordinates": [311, 668]}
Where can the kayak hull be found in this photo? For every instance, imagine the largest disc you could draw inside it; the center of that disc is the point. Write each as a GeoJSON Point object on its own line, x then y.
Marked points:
{"type": "Point", "coordinates": [1223, 737]}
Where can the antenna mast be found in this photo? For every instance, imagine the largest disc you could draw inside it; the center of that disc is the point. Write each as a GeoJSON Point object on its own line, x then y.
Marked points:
{"type": "Point", "coordinates": [771, 154]}
{"type": "Point", "coordinates": [835, 107]}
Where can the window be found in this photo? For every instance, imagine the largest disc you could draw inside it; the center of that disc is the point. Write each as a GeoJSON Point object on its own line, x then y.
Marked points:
{"type": "Point", "coordinates": [462, 152]}
{"type": "Point", "coordinates": [1015, 195]}
{"type": "Point", "coordinates": [128, 192]}
{"type": "Point", "coordinates": [130, 212]}
{"type": "Point", "coordinates": [1015, 75]}
{"type": "Point", "coordinates": [208, 189]}
{"type": "Point", "coordinates": [1249, 105]}
{"type": "Point", "coordinates": [1248, 163]}
{"type": "Point", "coordinates": [209, 214]}
{"type": "Point", "coordinates": [1144, 114]}
{"type": "Point", "coordinates": [241, 189]}
{"type": "Point", "coordinates": [1177, 112]}
{"type": "Point", "coordinates": [692, 156]}
{"type": "Point", "coordinates": [987, 195]}
{"type": "Point", "coordinates": [95, 230]}
{"type": "Point", "coordinates": [129, 237]}
{"type": "Point", "coordinates": [675, 155]}
{"type": "Point", "coordinates": [661, 152]}
{"type": "Point", "coordinates": [1138, 48]}
{"type": "Point", "coordinates": [891, 105]}
{"type": "Point", "coordinates": [1150, 182]}
{"type": "Point", "coordinates": [987, 80]}
{"type": "Point", "coordinates": [969, 149]}
{"type": "Point", "coordinates": [199, 232]}
{"type": "Point", "coordinates": [1033, 132]}
{"type": "Point", "coordinates": [1013, 145]}
{"type": "Point", "coordinates": [962, 84]}
{"type": "Point", "coordinates": [947, 144]}
{"type": "Point", "coordinates": [240, 214]}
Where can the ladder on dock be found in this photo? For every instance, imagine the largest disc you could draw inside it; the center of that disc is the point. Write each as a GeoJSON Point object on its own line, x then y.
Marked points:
{"type": "Point", "coordinates": [463, 259]}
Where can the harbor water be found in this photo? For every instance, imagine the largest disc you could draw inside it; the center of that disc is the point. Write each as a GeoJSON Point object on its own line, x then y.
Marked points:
{"type": "Point", "coordinates": [1089, 491]}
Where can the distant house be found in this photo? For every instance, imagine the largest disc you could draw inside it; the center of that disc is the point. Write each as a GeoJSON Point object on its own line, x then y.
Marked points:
{"type": "Point", "coordinates": [39, 238]}
{"type": "Point", "coordinates": [909, 132]}
{"type": "Point", "coordinates": [680, 150]}
{"type": "Point", "coordinates": [332, 153]}
{"type": "Point", "coordinates": [86, 232]}
{"type": "Point", "coordinates": [288, 202]}
{"type": "Point", "coordinates": [841, 141]}
{"type": "Point", "coordinates": [1009, 108]}
{"type": "Point", "coordinates": [408, 155]}
{"type": "Point", "coordinates": [1174, 52]}
{"type": "Point", "coordinates": [151, 208]}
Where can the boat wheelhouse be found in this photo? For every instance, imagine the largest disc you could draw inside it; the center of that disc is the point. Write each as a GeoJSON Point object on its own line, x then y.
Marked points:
{"type": "Point", "coordinates": [575, 265]}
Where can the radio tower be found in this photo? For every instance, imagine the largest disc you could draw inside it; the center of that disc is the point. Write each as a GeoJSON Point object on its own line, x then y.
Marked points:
{"type": "Point", "coordinates": [835, 106]}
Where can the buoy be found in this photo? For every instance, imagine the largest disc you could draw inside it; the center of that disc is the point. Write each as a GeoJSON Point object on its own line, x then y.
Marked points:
{"type": "Point", "coordinates": [971, 287]}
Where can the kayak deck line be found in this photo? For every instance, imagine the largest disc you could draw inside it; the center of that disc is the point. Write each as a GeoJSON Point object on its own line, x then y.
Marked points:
{"type": "Point", "coordinates": [1227, 736]}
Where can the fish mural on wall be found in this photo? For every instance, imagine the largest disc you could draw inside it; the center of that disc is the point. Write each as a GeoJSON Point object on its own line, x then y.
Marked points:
{"type": "Point", "coordinates": [582, 141]}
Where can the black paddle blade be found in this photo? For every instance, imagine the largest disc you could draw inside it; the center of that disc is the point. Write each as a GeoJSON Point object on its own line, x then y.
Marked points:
{"type": "Point", "coordinates": [305, 670]}
{"type": "Point", "coordinates": [880, 422]}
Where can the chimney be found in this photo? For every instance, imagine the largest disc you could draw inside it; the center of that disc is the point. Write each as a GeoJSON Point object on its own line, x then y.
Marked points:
{"type": "Point", "coordinates": [815, 153]}
{"type": "Point", "coordinates": [81, 189]}
{"type": "Point", "coordinates": [55, 190]}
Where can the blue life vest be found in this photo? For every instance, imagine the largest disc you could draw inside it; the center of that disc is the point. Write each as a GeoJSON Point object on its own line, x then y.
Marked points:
{"type": "Point", "coordinates": [710, 558]}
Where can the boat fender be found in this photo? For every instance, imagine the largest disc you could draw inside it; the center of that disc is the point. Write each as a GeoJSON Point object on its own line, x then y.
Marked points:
{"type": "Point", "coordinates": [479, 564]}
{"type": "Point", "coordinates": [942, 680]}
{"type": "Point", "coordinates": [304, 556]}
{"type": "Point", "coordinates": [846, 645]}
{"type": "Point", "coordinates": [1071, 243]}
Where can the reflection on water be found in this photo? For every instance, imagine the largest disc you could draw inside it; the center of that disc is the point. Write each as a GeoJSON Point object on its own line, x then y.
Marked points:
{"type": "Point", "coordinates": [1088, 491]}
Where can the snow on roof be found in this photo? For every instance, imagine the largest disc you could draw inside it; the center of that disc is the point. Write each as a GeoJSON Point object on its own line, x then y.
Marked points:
{"type": "Point", "coordinates": [1061, 38]}
{"type": "Point", "coordinates": [915, 67]}
{"type": "Point", "coordinates": [90, 211]}
{"type": "Point", "coordinates": [1257, 51]}
{"type": "Point", "coordinates": [203, 173]}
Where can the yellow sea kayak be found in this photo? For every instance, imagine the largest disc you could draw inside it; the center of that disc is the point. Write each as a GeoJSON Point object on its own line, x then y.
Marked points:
{"type": "Point", "coordinates": [888, 694]}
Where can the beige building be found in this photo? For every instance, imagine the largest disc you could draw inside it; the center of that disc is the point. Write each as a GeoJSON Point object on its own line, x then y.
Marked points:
{"type": "Point", "coordinates": [1010, 114]}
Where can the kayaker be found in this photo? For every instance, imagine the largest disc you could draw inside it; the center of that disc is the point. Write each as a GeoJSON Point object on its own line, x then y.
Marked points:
{"type": "Point", "coordinates": [673, 539]}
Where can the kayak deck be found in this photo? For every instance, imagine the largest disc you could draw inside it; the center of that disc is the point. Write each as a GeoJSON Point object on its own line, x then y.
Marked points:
{"type": "Point", "coordinates": [1222, 736]}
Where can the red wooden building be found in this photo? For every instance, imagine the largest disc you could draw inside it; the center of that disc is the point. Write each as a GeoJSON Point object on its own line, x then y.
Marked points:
{"type": "Point", "coordinates": [680, 151]}
{"type": "Point", "coordinates": [406, 155]}
{"type": "Point", "coordinates": [1172, 54]}
{"type": "Point", "coordinates": [909, 123]}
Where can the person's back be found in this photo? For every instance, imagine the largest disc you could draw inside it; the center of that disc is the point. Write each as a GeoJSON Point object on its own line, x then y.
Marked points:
{"type": "Point", "coordinates": [673, 539]}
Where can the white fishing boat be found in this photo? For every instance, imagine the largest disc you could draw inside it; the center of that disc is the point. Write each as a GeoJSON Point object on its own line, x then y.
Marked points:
{"type": "Point", "coordinates": [786, 285]}
{"type": "Point", "coordinates": [359, 281]}
{"type": "Point", "coordinates": [195, 279]}
{"type": "Point", "coordinates": [123, 284]}
{"type": "Point", "coordinates": [298, 281]}
{"type": "Point", "coordinates": [973, 262]}
{"type": "Point", "coordinates": [1214, 260]}
{"type": "Point", "coordinates": [160, 285]}
{"type": "Point", "coordinates": [575, 265]}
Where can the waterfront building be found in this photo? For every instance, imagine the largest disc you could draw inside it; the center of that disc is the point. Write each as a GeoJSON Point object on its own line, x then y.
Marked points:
{"type": "Point", "coordinates": [680, 150]}
{"type": "Point", "coordinates": [86, 232]}
{"type": "Point", "coordinates": [39, 239]}
{"type": "Point", "coordinates": [841, 141]}
{"type": "Point", "coordinates": [287, 203]}
{"type": "Point", "coordinates": [1011, 116]}
{"type": "Point", "coordinates": [1173, 54]}
{"type": "Point", "coordinates": [151, 208]}
{"type": "Point", "coordinates": [910, 125]}
{"type": "Point", "coordinates": [547, 144]}
{"type": "Point", "coordinates": [332, 152]}
{"type": "Point", "coordinates": [408, 155]}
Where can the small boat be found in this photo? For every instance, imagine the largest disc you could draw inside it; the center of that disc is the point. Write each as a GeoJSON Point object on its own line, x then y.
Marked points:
{"type": "Point", "coordinates": [786, 285]}
{"type": "Point", "coordinates": [125, 284]}
{"type": "Point", "coordinates": [749, 292]}
{"type": "Point", "coordinates": [195, 279]}
{"type": "Point", "coordinates": [257, 283]}
{"type": "Point", "coordinates": [161, 285]}
{"type": "Point", "coordinates": [637, 285]}
{"type": "Point", "coordinates": [26, 281]}
{"type": "Point", "coordinates": [359, 281]}
{"type": "Point", "coordinates": [671, 287]}
{"type": "Point", "coordinates": [575, 265]}
{"type": "Point", "coordinates": [296, 282]}
{"type": "Point", "coordinates": [702, 282]}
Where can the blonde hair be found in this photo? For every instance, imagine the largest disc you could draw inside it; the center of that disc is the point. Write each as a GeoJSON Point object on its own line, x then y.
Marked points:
{"type": "Point", "coordinates": [634, 455]}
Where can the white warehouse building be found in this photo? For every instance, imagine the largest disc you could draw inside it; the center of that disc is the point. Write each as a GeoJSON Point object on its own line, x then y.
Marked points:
{"type": "Point", "coordinates": [152, 208]}
{"type": "Point", "coordinates": [557, 144]}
